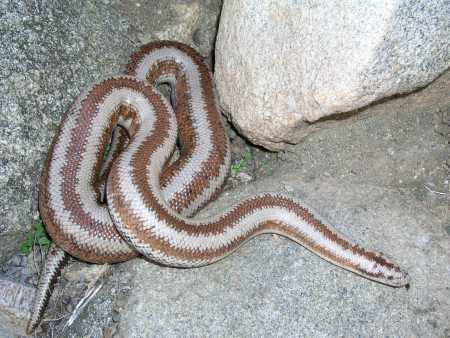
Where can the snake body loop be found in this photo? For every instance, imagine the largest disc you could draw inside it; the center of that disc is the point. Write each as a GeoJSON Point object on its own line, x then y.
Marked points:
{"type": "Point", "coordinates": [150, 198]}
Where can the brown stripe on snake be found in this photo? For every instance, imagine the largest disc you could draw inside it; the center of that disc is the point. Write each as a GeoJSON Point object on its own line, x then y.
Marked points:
{"type": "Point", "coordinates": [85, 243]}
{"type": "Point", "coordinates": [66, 241]}
{"type": "Point", "coordinates": [187, 135]}
{"type": "Point", "coordinates": [142, 208]}
{"type": "Point", "coordinates": [190, 257]}
{"type": "Point", "coordinates": [213, 167]}
{"type": "Point", "coordinates": [69, 240]}
{"type": "Point", "coordinates": [154, 229]}
{"type": "Point", "coordinates": [187, 139]}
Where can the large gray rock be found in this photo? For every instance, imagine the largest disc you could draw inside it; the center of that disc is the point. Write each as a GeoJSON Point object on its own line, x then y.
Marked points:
{"type": "Point", "coordinates": [280, 63]}
{"type": "Point", "coordinates": [49, 54]}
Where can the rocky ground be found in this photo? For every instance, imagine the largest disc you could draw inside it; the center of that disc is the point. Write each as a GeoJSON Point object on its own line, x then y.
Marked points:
{"type": "Point", "coordinates": [380, 175]}
{"type": "Point", "coordinates": [389, 190]}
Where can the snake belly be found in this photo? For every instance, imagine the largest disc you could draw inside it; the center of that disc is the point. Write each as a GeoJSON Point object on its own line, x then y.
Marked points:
{"type": "Point", "coordinates": [149, 198]}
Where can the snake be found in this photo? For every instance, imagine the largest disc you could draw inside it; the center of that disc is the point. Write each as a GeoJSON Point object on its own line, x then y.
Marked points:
{"type": "Point", "coordinates": [129, 168]}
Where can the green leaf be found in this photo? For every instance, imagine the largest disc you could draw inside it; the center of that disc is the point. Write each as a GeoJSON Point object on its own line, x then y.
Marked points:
{"type": "Point", "coordinates": [44, 241]}
{"type": "Point", "coordinates": [237, 167]}
{"type": "Point", "coordinates": [25, 249]}
{"type": "Point", "coordinates": [39, 227]}
{"type": "Point", "coordinates": [36, 236]}
{"type": "Point", "coordinates": [30, 237]}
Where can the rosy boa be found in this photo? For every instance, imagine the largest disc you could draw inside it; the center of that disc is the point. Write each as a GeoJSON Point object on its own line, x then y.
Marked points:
{"type": "Point", "coordinates": [150, 197]}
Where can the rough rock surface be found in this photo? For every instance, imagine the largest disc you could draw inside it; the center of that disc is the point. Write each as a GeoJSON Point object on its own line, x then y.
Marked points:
{"type": "Point", "coordinates": [15, 304]}
{"type": "Point", "coordinates": [50, 52]}
{"type": "Point", "coordinates": [381, 177]}
{"type": "Point", "coordinates": [191, 22]}
{"type": "Point", "coordinates": [280, 63]}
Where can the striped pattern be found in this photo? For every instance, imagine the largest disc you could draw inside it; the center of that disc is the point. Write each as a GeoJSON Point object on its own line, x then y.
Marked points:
{"type": "Point", "coordinates": [56, 259]}
{"type": "Point", "coordinates": [196, 177]}
{"type": "Point", "coordinates": [151, 198]}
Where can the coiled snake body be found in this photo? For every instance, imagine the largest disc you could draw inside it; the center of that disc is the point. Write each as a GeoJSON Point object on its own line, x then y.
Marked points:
{"type": "Point", "coordinates": [150, 199]}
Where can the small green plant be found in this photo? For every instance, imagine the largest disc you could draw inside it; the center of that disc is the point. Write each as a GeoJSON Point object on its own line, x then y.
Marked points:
{"type": "Point", "coordinates": [237, 167]}
{"type": "Point", "coordinates": [36, 236]}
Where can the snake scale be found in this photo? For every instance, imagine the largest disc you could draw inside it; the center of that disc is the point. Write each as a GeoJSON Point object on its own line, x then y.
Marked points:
{"type": "Point", "coordinates": [108, 207]}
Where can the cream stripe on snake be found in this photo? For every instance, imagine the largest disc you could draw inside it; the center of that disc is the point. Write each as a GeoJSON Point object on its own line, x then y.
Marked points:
{"type": "Point", "coordinates": [165, 240]}
{"type": "Point", "coordinates": [106, 244]}
{"type": "Point", "coordinates": [194, 87]}
{"type": "Point", "coordinates": [205, 137]}
{"type": "Point", "coordinates": [142, 210]}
